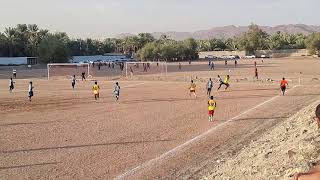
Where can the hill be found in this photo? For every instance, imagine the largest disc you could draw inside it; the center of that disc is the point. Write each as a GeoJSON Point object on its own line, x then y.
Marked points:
{"type": "Point", "coordinates": [232, 31]}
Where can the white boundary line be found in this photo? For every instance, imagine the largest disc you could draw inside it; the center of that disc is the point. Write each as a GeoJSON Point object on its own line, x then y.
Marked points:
{"type": "Point", "coordinates": [128, 86]}
{"type": "Point", "coordinates": [173, 151]}
{"type": "Point", "coordinates": [4, 75]}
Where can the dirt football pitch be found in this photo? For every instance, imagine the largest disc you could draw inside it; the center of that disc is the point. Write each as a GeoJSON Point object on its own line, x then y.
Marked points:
{"type": "Point", "coordinates": [155, 131]}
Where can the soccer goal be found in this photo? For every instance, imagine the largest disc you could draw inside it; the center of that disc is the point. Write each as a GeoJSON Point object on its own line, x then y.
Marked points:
{"type": "Point", "coordinates": [154, 68]}
{"type": "Point", "coordinates": [63, 70]}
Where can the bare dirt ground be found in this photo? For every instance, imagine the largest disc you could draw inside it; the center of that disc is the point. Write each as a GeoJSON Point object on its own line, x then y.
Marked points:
{"type": "Point", "coordinates": [67, 134]}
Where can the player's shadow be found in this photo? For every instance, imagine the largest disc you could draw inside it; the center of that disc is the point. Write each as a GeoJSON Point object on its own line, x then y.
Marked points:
{"type": "Point", "coordinates": [28, 165]}
{"type": "Point", "coordinates": [87, 146]}
{"type": "Point", "coordinates": [262, 118]}
{"type": "Point", "coordinates": [248, 90]}
{"type": "Point", "coordinates": [156, 100]}
{"type": "Point", "coordinates": [246, 97]}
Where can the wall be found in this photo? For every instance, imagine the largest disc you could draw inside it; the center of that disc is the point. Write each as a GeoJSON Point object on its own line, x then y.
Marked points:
{"type": "Point", "coordinates": [204, 54]}
{"type": "Point", "coordinates": [283, 53]}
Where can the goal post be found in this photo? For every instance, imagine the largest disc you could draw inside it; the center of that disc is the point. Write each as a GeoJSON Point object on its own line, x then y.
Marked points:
{"type": "Point", "coordinates": [153, 68]}
{"type": "Point", "coordinates": [67, 69]}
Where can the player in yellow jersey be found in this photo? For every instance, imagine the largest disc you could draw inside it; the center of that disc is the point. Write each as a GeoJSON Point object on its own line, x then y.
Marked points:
{"type": "Point", "coordinates": [192, 89]}
{"type": "Point", "coordinates": [227, 81]}
{"type": "Point", "coordinates": [211, 107]}
{"type": "Point", "coordinates": [96, 90]}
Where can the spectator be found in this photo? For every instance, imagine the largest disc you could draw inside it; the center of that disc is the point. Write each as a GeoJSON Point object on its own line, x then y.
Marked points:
{"type": "Point", "coordinates": [14, 72]}
{"type": "Point", "coordinates": [317, 118]}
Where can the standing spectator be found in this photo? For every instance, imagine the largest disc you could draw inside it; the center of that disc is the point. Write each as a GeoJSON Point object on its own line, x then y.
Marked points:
{"type": "Point", "coordinates": [318, 115]}
{"type": "Point", "coordinates": [212, 65]}
{"type": "Point", "coordinates": [14, 72]}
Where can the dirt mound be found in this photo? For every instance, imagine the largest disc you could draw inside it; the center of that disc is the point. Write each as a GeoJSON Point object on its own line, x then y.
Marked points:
{"type": "Point", "coordinates": [291, 147]}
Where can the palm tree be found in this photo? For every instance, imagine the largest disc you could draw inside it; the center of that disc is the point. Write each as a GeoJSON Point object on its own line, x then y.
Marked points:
{"type": "Point", "coordinates": [33, 40]}
{"type": "Point", "coordinates": [11, 39]}
{"type": "Point", "coordinates": [3, 45]}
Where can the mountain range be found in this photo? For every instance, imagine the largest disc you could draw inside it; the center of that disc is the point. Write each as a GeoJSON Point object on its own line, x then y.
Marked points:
{"type": "Point", "coordinates": [232, 31]}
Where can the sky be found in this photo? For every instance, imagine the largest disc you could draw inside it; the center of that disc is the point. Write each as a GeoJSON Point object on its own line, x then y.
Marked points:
{"type": "Point", "coordinates": [108, 18]}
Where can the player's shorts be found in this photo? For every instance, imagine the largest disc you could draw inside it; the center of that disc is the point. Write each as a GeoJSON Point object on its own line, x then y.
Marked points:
{"type": "Point", "coordinates": [209, 89]}
{"type": "Point", "coordinates": [73, 83]}
{"type": "Point", "coordinates": [30, 93]}
{"type": "Point", "coordinates": [95, 92]}
{"type": "Point", "coordinates": [192, 91]}
{"type": "Point", "coordinates": [211, 112]}
{"type": "Point", "coordinates": [283, 88]}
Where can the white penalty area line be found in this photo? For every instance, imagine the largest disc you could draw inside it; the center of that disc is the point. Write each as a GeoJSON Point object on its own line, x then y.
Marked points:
{"type": "Point", "coordinates": [174, 151]}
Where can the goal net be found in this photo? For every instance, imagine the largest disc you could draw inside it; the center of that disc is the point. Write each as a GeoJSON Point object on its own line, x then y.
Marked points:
{"type": "Point", "coordinates": [149, 68]}
{"type": "Point", "coordinates": [66, 70]}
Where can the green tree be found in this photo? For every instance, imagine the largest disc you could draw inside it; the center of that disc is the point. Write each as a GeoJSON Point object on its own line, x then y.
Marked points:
{"type": "Point", "coordinates": [276, 41]}
{"type": "Point", "coordinates": [145, 38]}
{"type": "Point", "coordinates": [148, 52]}
{"type": "Point", "coordinates": [108, 45]}
{"type": "Point", "coordinates": [53, 49]}
{"type": "Point", "coordinates": [231, 44]}
{"type": "Point", "coordinates": [3, 45]}
{"type": "Point", "coordinates": [191, 47]}
{"type": "Point", "coordinates": [313, 43]}
{"type": "Point", "coordinates": [34, 39]}
{"type": "Point", "coordinates": [203, 45]}
{"type": "Point", "coordinates": [254, 39]}
{"type": "Point", "coordinates": [12, 41]}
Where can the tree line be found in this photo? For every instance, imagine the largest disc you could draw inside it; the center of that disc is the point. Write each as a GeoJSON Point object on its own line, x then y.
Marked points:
{"type": "Point", "coordinates": [31, 41]}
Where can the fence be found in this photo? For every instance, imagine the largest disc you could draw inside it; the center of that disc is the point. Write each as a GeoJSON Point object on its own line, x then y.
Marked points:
{"type": "Point", "coordinates": [258, 53]}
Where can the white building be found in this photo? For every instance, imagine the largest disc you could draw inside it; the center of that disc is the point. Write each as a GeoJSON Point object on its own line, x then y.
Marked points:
{"type": "Point", "coordinates": [18, 61]}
